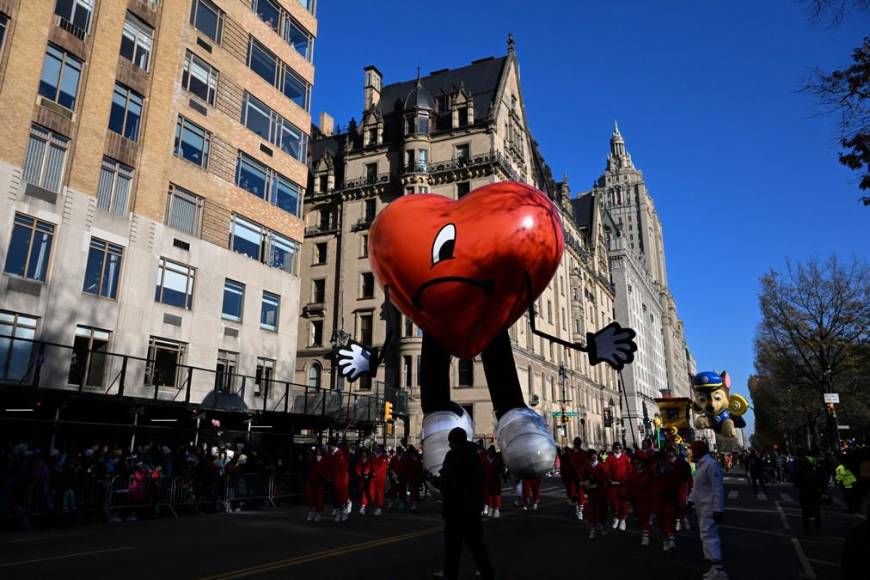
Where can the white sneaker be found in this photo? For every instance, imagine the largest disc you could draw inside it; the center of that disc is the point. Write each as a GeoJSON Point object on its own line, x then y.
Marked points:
{"type": "Point", "coordinates": [378, 511]}
{"type": "Point", "coordinates": [580, 514]}
{"type": "Point", "coordinates": [316, 518]}
{"type": "Point", "coordinates": [131, 518]}
{"type": "Point", "coordinates": [310, 516]}
{"type": "Point", "coordinates": [615, 523]}
{"type": "Point", "coordinates": [344, 516]}
{"type": "Point", "coordinates": [672, 544]}
{"type": "Point", "coordinates": [349, 507]}
{"type": "Point", "coordinates": [362, 511]}
{"type": "Point", "coordinates": [686, 524]}
{"type": "Point", "coordinates": [622, 525]}
{"type": "Point", "coordinates": [715, 573]}
{"type": "Point", "coordinates": [678, 525]}
{"type": "Point", "coordinates": [116, 520]}
{"type": "Point", "coordinates": [436, 428]}
{"type": "Point", "coordinates": [413, 507]}
{"type": "Point", "coordinates": [644, 540]}
{"type": "Point", "coordinates": [535, 507]}
{"type": "Point", "coordinates": [496, 513]}
{"type": "Point", "coordinates": [485, 512]}
{"type": "Point", "coordinates": [527, 447]}
{"type": "Point", "coordinates": [665, 546]}
{"type": "Point", "coordinates": [593, 532]}
{"type": "Point", "coordinates": [337, 517]}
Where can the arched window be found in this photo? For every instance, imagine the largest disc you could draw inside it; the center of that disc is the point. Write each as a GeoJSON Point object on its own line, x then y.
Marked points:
{"type": "Point", "coordinates": [314, 376]}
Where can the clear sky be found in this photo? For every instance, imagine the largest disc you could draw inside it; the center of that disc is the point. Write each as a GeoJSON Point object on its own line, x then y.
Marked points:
{"type": "Point", "coordinates": [743, 171]}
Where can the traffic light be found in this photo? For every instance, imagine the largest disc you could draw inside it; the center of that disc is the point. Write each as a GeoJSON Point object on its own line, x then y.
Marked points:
{"type": "Point", "coordinates": [388, 411]}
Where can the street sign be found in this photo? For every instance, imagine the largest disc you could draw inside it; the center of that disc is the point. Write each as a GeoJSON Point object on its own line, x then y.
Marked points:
{"type": "Point", "coordinates": [832, 398]}
{"type": "Point", "coordinates": [564, 413]}
{"type": "Point", "coordinates": [843, 427]}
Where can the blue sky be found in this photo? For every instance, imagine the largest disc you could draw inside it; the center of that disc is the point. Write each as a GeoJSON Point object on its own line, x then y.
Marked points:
{"type": "Point", "coordinates": [743, 171]}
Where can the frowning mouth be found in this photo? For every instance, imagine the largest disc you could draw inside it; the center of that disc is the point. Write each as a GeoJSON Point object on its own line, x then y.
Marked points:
{"type": "Point", "coordinates": [488, 287]}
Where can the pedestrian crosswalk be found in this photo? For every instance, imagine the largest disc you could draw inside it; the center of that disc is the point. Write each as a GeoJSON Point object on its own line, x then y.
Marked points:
{"type": "Point", "coordinates": [761, 496]}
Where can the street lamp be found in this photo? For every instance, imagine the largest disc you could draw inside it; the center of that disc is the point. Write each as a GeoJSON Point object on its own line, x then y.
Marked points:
{"type": "Point", "coordinates": [612, 408]}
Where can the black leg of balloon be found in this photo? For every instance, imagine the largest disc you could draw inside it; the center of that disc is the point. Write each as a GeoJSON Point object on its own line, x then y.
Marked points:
{"type": "Point", "coordinates": [501, 375]}
{"type": "Point", "coordinates": [434, 377]}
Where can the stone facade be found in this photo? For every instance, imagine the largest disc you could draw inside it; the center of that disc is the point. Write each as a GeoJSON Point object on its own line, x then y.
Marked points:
{"type": "Point", "coordinates": [474, 132]}
{"type": "Point", "coordinates": [141, 227]}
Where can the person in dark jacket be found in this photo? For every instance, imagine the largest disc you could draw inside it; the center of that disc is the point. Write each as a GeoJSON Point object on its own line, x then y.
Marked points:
{"type": "Point", "coordinates": [461, 483]}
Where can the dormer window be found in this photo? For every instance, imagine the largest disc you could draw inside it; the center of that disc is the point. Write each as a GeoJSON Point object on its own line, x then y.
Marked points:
{"type": "Point", "coordinates": [373, 136]}
{"type": "Point", "coordinates": [423, 125]}
{"type": "Point", "coordinates": [463, 116]}
{"type": "Point", "coordinates": [324, 183]}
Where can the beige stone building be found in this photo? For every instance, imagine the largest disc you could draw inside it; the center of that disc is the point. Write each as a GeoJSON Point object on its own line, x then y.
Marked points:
{"type": "Point", "coordinates": [663, 366]}
{"type": "Point", "coordinates": [152, 169]}
{"type": "Point", "coordinates": [448, 132]}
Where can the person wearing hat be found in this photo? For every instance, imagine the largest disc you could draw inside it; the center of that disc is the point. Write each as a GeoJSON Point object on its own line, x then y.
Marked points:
{"type": "Point", "coordinates": [708, 498]}
{"type": "Point", "coordinates": [618, 467]}
{"type": "Point", "coordinates": [461, 484]}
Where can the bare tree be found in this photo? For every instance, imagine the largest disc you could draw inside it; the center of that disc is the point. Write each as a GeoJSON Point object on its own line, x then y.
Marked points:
{"type": "Point", "coordinates": [814, 338]}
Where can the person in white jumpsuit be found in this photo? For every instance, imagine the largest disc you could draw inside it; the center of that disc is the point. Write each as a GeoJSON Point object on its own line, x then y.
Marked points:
{"type": "Point", "coordinates": [708, 498]}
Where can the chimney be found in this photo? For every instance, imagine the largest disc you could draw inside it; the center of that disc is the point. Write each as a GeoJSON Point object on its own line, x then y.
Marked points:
{"type": "Point", "coordinates": [372, 88]}
{"type": "Point", "coordinates": [327, 124]}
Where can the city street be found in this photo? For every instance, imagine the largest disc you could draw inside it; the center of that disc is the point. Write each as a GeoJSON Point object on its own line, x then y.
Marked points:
{"type": "Point", "coordinates": [762, 538]}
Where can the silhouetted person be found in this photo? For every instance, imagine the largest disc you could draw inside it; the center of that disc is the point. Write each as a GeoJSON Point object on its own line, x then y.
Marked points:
{"type": "Point", "coordinates": [461, 482]}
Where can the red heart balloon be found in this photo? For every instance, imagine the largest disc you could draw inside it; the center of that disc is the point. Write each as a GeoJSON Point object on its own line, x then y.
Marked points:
{"type": "Point", "coordinates": [461, 270]}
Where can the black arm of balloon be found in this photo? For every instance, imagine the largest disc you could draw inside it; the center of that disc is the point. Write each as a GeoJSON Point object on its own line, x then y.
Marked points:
{"type": "Point", "coordinates": [393, 318]}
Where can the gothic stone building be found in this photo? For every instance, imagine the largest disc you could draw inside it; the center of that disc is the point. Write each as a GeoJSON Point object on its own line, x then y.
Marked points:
{"type": "Point", "coordinates": [449, 133]}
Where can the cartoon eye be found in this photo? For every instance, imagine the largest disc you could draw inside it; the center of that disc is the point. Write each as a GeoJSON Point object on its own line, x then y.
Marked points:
{"type": "Point", "coordinates": [718, 397]}
{"type": "Point", "coordinates": [442, 249]}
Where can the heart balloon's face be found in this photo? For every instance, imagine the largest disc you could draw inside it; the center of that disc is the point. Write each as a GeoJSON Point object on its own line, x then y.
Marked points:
{"type": "Point", "coordinates": [465, 270]}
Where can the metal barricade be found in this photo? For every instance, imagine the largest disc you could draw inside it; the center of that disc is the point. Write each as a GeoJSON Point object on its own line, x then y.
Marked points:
{"type": "Point", "coordinates": [241, 488]}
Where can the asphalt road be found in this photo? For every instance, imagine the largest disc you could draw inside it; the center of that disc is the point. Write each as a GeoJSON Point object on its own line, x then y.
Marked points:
{"type": "Point", "coordinates": [762, 538]}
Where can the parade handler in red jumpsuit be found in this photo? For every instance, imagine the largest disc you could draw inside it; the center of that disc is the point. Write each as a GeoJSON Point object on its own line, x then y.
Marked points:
{"type": "Point", "coordinates": [314, 485]}
{"type": "Point", "coordinates": [380, 466]}
{"type": "Point", "coordinates": [492, 469]}
{"type": "Point", "coordinates": [364, 475]}
{"type": "Point", "coordinates": [618, 467]}
{"type": "Point", "coordinates": [337, 473]}
{"type": "Point", "coordinates": [640, 491]}
{"type": "Point", "coordinates": [595, 478]}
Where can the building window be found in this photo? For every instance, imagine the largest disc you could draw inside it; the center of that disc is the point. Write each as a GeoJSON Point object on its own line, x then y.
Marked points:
{"type": "Point", "coordinates": [192, 142]}
{"type": "Point", "coordinates": [369, 210]}
{"type": "Point", "coordinates": [318, 291]}
{"type": "Point", "coordinates": [296, 89]}
{"type": "Point", "coordinates": [314, 376]}
{"type": "Point", "coordinates": [200, 78]}
{"type": "Point", "coordinates": [263, 377]}
{"type": "Point", "coordinates": [103, 270]}
{"type": "Point", "coordinates": [183, 210]}
{"type": "Point", "coordinates": [549, 312]}
{"type": "Point", "coordinates": [164, 359]}
{"type": "Point", "coordinates": [45, 158]}
{"type": "Point", "coordinates": [371, 172]}
{"type": "Point", "coordinates": [262, 244]}
{"type": "Point", "coordinates": [234, 300]}
{"type": "Point", "coordinates": [61, 72]}
{"type": "Point", "coordinates": [4, 23]}
{"type": "Point", "coordinates": [419, 368]}
{"type": "Point", "coordinates": [308, 5]}
{"type": "Point", "coordinates": [297, 38]}
{"type": "Point", "coordinates": [267, 184]}
{"type": "Point", "coordinates": [423, 125]}
{"type": "Point", "coordinates": [320, 254]}
{"type": "Point", "coordinates": [126, 112]}
{"type": "Point", "coordinates": [174, 284]}
{"type": "Point", "coordinates": [270, 308]}
{"type": "Point", "coordinates": [316, 336]}
{"type": "Point", "coordinates": [463, 116]}
{"type": "Point", "coordinates": [324, 183]}
{"type": "Point", "coordinates": [364, 249]}
{"type": "Point", "coordinates": [367, 285]}
{"type": "Point", "coordinates": [407, 365]}
{"type": "Point", "coordinates": [466, 372]}
{"type": "Point", "coordinates": [225, 371]}
{"type": "Point", "coordinates": [89, 357]}
{"type": "Point", "coordinates": [422, 155]}
{"type": "Point", "coordinates": [257, 117]}
{"type": "Point", "coordinates": [136, 41]}
{"type": "Point", "coordinates": [29, 248]}
{"type": "Point", "coordinates": [207, 18]}
{"type": "Point", "coordinates": [263, 62]}
{"type": "Point", "coordinates": [409, 327]}
{"type": "Point", "coordinates": [113, 190]}
{"type": "Point", "coordinates": [76, 12]}
{"type": "Point", "coordinates": [268, 13]}
{"type": "Point", "coordinates": [17, 332]}
{"type": "Point", "coordinates": [364, 329]}
{"type": "Point", "coordinates": [462, 153]}
{"type": "Point", "coordinates": [462, 188]}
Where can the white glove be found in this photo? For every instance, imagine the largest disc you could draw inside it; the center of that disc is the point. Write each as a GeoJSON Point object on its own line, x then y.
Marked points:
{"type": "Point", "coordinates": [354, 361]}
{"type": "Point", "coordinates": [612, 344]}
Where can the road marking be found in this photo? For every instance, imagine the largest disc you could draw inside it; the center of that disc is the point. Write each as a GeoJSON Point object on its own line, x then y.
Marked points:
{"type": "Point", "coordinates": [305, 558]}
{"type": "Point", "coordinates": [750, 510]}
{"type": "Point", "coordinates": [75, 555]}
{"type": "Point", "coordinates": [823, 562]}
{"type": "Point", "coordinates": [785, 497]}
{"type": "Point", "coordinates": [38, 538]}
{"type": "Point", "coordinates": [809, 573]}
{"type": "Point", "coordinates": [753, 530]}
{"type": "Point", "coordinates": [733, 494]}
{"type": "Point", "coordinates": [785, 524]}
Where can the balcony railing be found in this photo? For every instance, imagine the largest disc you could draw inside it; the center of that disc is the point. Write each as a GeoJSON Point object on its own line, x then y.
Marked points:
{"type": "Point", "coordinates": [50, 366]}
{"type": "Point", "coordinates": [65, 24]}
